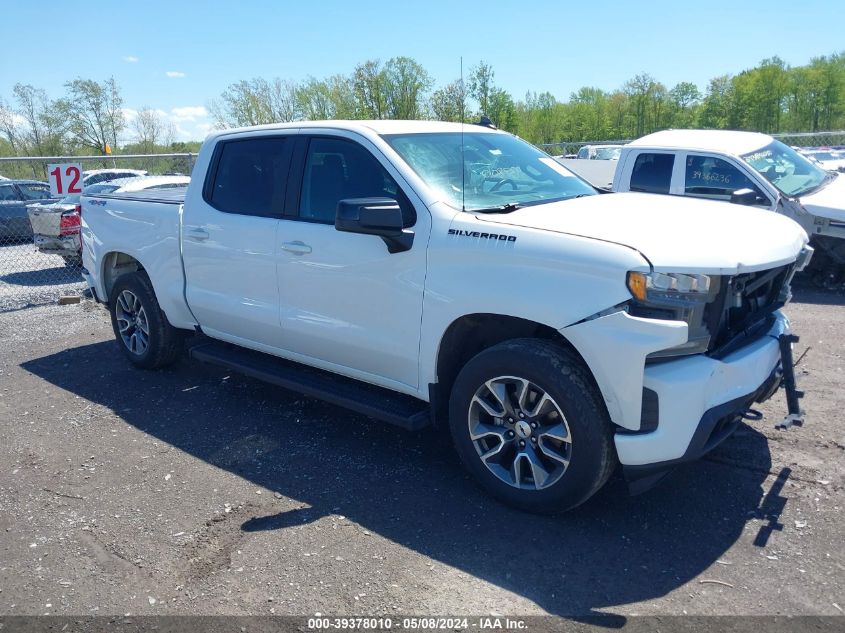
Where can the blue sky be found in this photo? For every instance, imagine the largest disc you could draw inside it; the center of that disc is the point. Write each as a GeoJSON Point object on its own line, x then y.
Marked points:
{"type": "Point", "coordinates": [176, 56]}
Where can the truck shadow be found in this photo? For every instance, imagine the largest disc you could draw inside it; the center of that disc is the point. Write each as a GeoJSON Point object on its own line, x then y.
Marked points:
{"type": "Point", "coordinates": [807, 293]}
{"type": "Point", "coordinates": [56, 276]}
{"type": "Point", "coordinates": [614, 550]}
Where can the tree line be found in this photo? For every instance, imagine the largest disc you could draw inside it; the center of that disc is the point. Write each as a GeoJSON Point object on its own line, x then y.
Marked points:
{"type": "Point", "coordinates": [88, 119]}
{"type": "Point", "coordinates": [772, 97]}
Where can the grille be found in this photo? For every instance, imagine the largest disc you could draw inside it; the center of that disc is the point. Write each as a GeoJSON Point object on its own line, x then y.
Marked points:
{"type": "Point", "coordinates": [743, 307]}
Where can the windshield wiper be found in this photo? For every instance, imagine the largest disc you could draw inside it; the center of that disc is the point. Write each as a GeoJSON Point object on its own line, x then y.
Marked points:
{"type": "Point", "coordinates": [504, 208]}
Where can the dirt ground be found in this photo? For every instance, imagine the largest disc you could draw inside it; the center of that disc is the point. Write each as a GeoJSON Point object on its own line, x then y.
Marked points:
{"type": "Point", "coordinates": [192, 490]}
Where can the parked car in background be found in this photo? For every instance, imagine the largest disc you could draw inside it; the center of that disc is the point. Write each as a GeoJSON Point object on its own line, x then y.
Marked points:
{"type": "Point", "coordinates": [14, 196]}
{"type": "Point", "coordinates": [56, 226]}
{"type": "Point", "coordinates": [746, 168]}
{"type": "Point", "coordinates": [143, 183]}
{"type": "Point", "coordinates": [829, 159]}
{"type": "Point", "coordinates": [599, 152]}
{"type": "Point", "coordinates": [93, 176]}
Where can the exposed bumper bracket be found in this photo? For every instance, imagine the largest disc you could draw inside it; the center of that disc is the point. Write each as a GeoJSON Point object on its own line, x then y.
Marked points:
{"type": "Point", "coordinates": [795, 416]}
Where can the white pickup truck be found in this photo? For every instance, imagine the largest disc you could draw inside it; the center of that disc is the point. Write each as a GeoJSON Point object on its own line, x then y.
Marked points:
{"type": "Point", "coordinates": [746, 168]}
{"type": "Point", "coordinates": [437, 274]}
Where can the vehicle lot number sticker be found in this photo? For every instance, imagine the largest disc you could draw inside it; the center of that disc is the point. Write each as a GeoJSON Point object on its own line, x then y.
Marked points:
{"type": "Point", "coordinates": [65, 179]}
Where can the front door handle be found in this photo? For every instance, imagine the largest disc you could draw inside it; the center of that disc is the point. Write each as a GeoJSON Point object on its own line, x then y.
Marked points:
{"type": "Point", "coordinates": [198, 234]}
{"type": "Point", "coordinates": [297, 247]}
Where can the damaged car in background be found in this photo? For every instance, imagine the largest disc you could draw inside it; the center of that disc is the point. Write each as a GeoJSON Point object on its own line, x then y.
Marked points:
{"type": "Point", "coordinates": [55, 226]}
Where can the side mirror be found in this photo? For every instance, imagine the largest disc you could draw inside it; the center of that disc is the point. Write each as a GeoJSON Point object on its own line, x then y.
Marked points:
{"type": "Point", "coordinates": [747, 197]}
{"type": "Point", "coordinates": [375, 216]}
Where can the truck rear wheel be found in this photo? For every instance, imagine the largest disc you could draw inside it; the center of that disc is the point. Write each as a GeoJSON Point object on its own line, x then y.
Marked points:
{"type": "Point", "coordinates": [530, 426]}
{"type": "Point", "coordinates": [140, 327]}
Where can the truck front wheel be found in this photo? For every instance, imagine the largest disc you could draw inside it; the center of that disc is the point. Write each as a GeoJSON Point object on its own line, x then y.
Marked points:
{"type": "Point", "coordinates": [529, 424]}
{"type": "Point", "coordinates": [140, 327]}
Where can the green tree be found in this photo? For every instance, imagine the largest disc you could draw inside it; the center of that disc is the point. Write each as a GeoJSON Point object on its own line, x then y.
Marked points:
{"type": "Point", "coordinates": [449, 102]}
{"type": "Point", "coordinates": [588, 112]}
{"type": "Point", "coordinates": [93, 113]}
{"type": "Point", "coordinates": [639, 92]}
{"type": "Point", "coordinates": [502, 110]}
{"type": "Point", "coordinates": [481, 87]}
{"type": "Point", "coordinates": [717, 105]}
{"type": "Point", "coordinates": [685, 98]}
{"type": "Point", "coordinates": [332, 98]}
{"type": "Point", "coordinates": [369, 87]}
{"type": "Point", "coordinates": [405, 84]}
{"type": "Point", "coordinates": [256, 101]}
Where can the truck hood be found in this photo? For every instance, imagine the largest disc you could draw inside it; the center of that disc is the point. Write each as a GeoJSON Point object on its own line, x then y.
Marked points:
{"type": "Point", "coordinates": [675, 234]}
{"type": "Point", "coordinates": [829, 201]}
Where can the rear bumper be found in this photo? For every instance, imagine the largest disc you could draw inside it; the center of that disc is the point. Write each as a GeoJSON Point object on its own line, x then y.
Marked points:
{"type": "Point", "coordinates": [67, 245]}
{"type": "Point", "coordinates": [700, 402]}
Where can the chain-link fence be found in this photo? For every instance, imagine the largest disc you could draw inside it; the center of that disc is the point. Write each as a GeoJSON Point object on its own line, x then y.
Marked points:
{"type": "Point", "coordinates": [39, 235]}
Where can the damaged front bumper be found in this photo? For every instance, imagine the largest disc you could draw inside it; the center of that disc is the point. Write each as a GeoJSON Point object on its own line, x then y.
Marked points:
{"type": "Point", "coordinates": [701, 401]}
{"type": "Point", "coordinates": [675, 411]}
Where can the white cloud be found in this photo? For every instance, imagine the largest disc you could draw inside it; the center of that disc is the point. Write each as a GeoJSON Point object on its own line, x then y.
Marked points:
{"type": "Point", "coordinates": [188, 113]}
{"type": "Point", "coordinates": [202, 130]}
{"type": "Point", "coordinates": [174, 74]}
{"type": "Point", "coordinates": [18, 120]}
{"type": "Point", "coordinates": [131, 59]}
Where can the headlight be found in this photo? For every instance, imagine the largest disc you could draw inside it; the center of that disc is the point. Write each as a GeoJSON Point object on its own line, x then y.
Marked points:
{"type": "Point", "coordinates": [644, 285]}
{"type": "Point", "coordinates": [675, 297]}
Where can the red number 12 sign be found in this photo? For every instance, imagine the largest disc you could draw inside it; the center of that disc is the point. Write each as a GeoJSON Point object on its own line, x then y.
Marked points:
{"type": "Point", "coordinates": [65, 179]}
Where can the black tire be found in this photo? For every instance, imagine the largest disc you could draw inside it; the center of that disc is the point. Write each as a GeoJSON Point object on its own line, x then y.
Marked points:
{"type": "Point", "coordinates": [559, 373]}
{"type": "Point", "coordinates": [164, 342]}
{"type": "Point", "coordinates": [72, 261]}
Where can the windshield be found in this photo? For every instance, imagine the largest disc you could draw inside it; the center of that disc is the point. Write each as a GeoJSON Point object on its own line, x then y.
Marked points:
{"type": "Point", "coordinates": [786, 169]}
{"type": "Point", "coordinates": [499, 170]}
{"type": "Point", "coordinates": [608, 153]}
{"type": "Point", "coordinates": [34, 191]}
{"type": "Point", "coordinates": [105, 187]}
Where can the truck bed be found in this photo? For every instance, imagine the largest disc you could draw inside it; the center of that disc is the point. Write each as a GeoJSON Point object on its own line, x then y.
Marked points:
{"type": "Point", "coordinates": [147, 226]}
{"type": "Point", "coordinates": [174, 195]}
{"type": "Point", "coordinates": [598, 173]}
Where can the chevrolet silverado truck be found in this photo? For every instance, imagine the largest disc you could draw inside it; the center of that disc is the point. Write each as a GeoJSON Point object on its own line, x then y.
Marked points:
{"type": "Point", "coordinates": [745, 168]}
{"type": "Point", "coordinates": [454, 276]}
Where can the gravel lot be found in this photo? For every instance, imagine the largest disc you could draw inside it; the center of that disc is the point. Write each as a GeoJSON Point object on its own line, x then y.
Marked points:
{"type": "Point", "coordinates": [29, 278]}
{"type": "Point", "coordinates": [191, 490]}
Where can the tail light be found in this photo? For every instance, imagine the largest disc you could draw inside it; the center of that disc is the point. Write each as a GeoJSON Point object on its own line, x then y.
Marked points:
{"type": "Point", "coordinates": [71, 221]}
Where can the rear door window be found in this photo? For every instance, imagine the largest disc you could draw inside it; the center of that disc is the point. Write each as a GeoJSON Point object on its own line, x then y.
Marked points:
{"type": "Point", "coordinates": [652, 173]}
{"type": "Point", "coordinates": [250, 177]}
{"type": "Point", "coordinates": [34, 191]}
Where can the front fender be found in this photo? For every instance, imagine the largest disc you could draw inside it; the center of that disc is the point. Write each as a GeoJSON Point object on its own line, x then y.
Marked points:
{"type": "Point", "coordinates": [615, 348]}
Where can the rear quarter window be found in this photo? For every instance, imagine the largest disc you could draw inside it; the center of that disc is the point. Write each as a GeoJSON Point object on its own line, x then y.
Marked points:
{"type": "Point", "coordinates": [652, 173]}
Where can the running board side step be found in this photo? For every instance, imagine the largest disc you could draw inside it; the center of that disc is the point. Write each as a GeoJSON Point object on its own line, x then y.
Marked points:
{"type": "Point", "coordinates": [375, 402]}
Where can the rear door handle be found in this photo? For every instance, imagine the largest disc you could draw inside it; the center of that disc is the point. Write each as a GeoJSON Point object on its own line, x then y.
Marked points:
{"type": "Point", "coordinates": [297, 247]}
{"type": "Point", "coordinates": [198, 234]}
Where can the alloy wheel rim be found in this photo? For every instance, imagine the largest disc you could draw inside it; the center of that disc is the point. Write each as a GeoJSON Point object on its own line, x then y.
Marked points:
{"type": "Point", "coordinates": [520, 433]}
{"type": "Point", "coordinates": [132, 323]}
